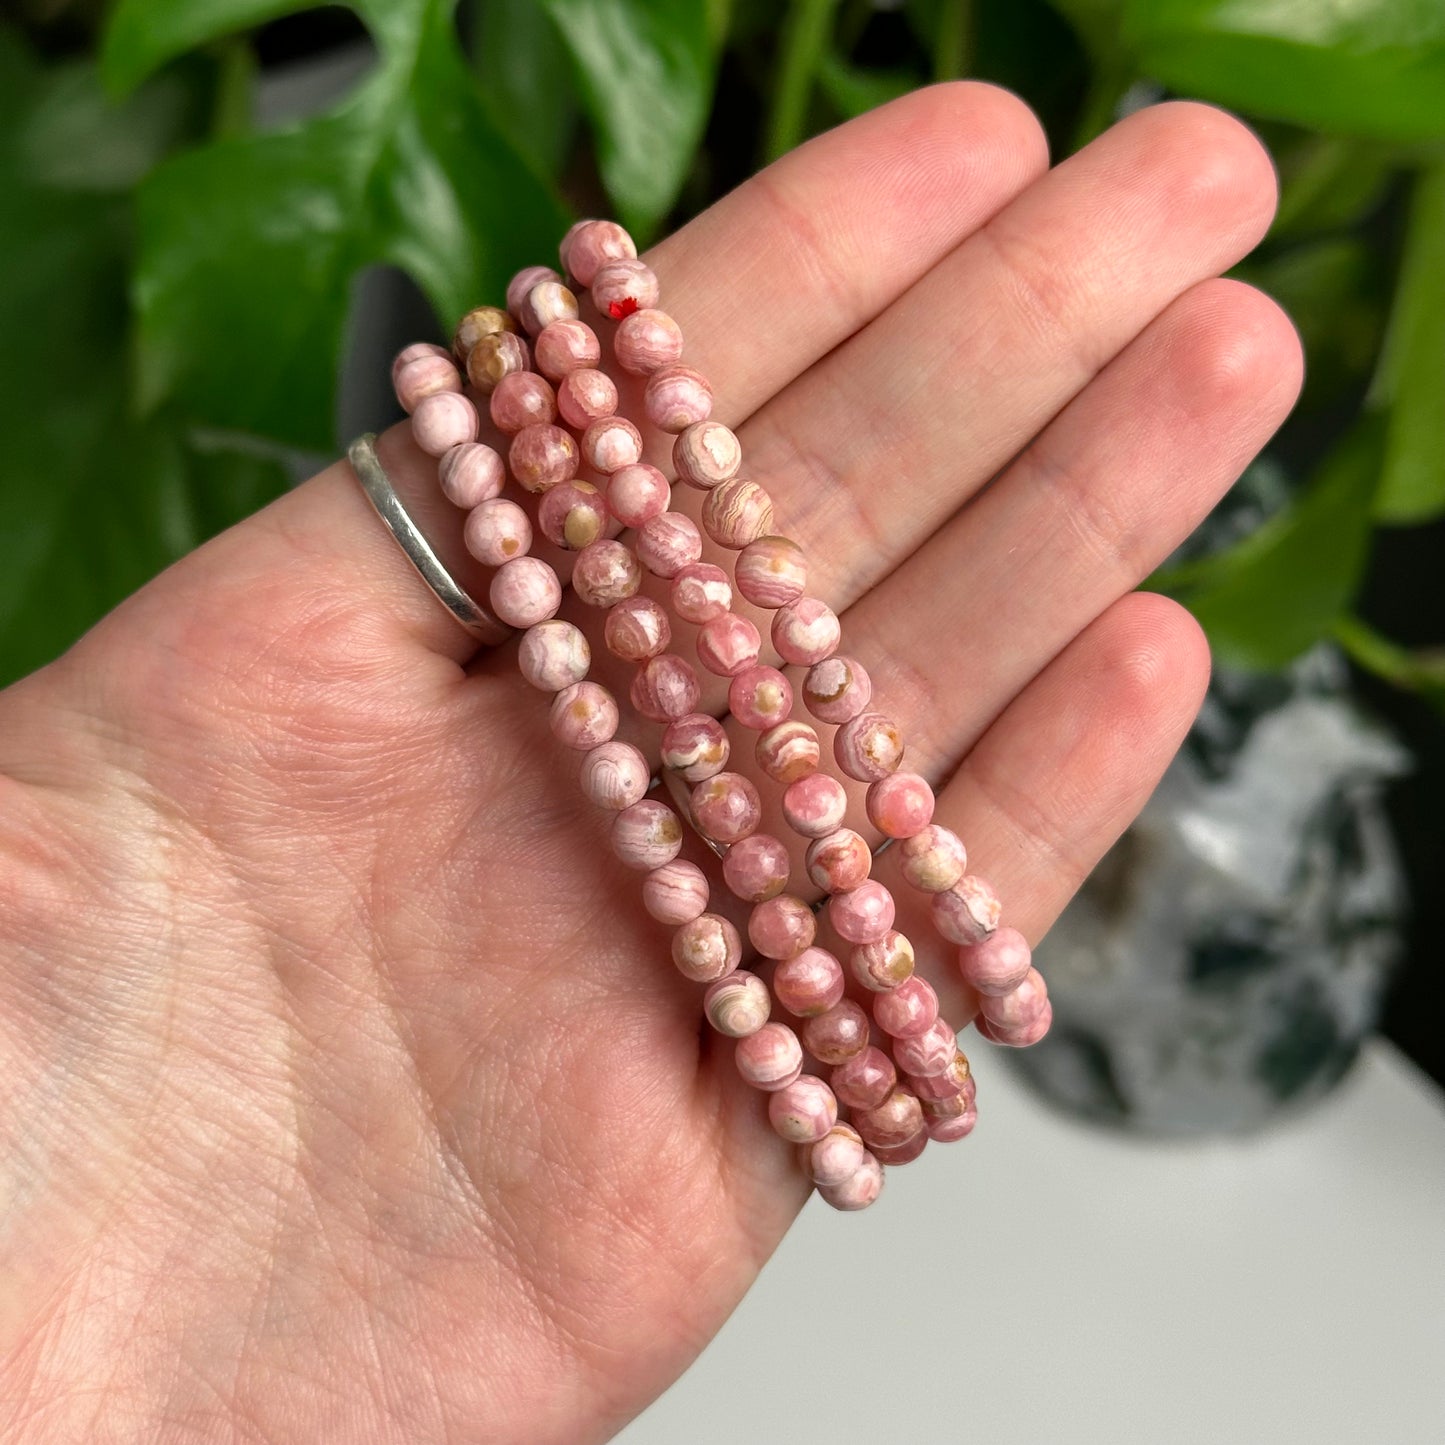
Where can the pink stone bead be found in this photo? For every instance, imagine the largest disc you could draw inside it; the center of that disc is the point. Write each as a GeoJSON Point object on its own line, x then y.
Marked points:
{"type": "Point", "coordinates": [543, 456]}
{"type": "Point", "coordinates": [860, 1190]}
{"type": "Point", "coordinates": [706, 455]}
{"type": "Point", "coordinates": [865, 1080]}
{"type": "Point", "coordinates": [696, 747]}
{"type": "Point", "coordinates": [771, 572]}
{"type": "Point", "coordinates": [997, 965]}
{"type": "Point", "coordinates": [621, 287]}
{"type": "Point", "coordinates": [471, 474]}
{"type": "Point", "coordinates": [863, 913]}
{"type": "Point", "coordinates": [948, 1082]}
{"type": "Point", "coordinates": [950, 1131]}
{"type": "Point", "coordinates": [707, 948]}
{"type": "Point", "coordinates": [665, 687]}
{"type": "Point", "coordinates": [584, 715]}
{"type": "Point", "coordinates": [782, 927]}
{"type": "Point", "coordinates": [564, 347]}
{"type": "Point", "coordinates": [553, 655]}
{"type": "Point", "coordinates": [760, 697]}
{"type": "Point", "coordinates": [806, 631]}
{"type": "Point", "coordinates": [809, 984]}
{"type": "Point", "coordinates": [637, 494]}
{"type": "Point", "coordinates": [524, 591]}
{"type": "Point", "coordinates": [586, 396]}
{"type": "Point", "coordinates": [933, 859]}
{"type": "Point", "coordinates": [677, 397]}
{"type": "Point", "coordinates": [522, 399]}
{"type": "Point", "coordinates": [908, 1009]}
{"type": "Point", "coordinates": [547, 303]}
{"type": "Point", "coordinates": [929, 1053]}
{"type": "Point", "coordinates": [611, 443]}
{"type": "Point", "coordinates": [737, 1005]}
{"type": "Point", "coordinates": [900, 805]}
{"type": "Point", "coordinates": [837, 689]}
{"type": "Point", "coordinates": [726, 807]}
{"type": "Point", "coordinates": [884, 963]}
{"type": "Point", "coordinates": [564, 246]}
{"type": "Point", "coordinates": [606, 573]}
{"type": "Point", "coordinates": [480, 321]}
{"type": "Point", "coordinates": [728, 645]}
{"type": "Point", "coordinates": [737, 512]}
{"type": "Point", "coordinates": [895, 1121]}
{"type": "Point", "coordinates": [815, 805]}
{"type": "Point", "coordinates": [1018, 1008]}
{"type": "Point", "coordinates": [1022, 1037]}
{"type": "Point", "coordinates": [636, 628]}
{"type": "Point", "coordinates": [757, 867]}
{"type": "Point", "coordinates": [444, 420]}
{"type": "Point", "coordinates": [952, 1106]}
{"type": "Point", "coordinates": [647, 341]}
{"type": "Point", "coordinates": [677, 892]}
{"type": "Point", "coordinates": [700, 592]}
{"type": "Point", "coordinates": [788, 751]}
{"type": "Point", "coordinates": [771, 1058]}
{"type": "Point", "coordinates": [647, 835]}
{"type": "Point", "coordinates": [839, 861]}
{"type": "Point", "coordinates": [905, 1153]}
{"type": "Point", "coordinates": [497, 531]}
{"type": "Point", "coordinates": [837, 1034]}
{"type": "Point", "coordinates": [836, 1157]}
{"type": "Point", "coordinates": [424, 376]}
{"type": "Point", "coordinates": [804, 1111]}
{"type": "Point", "coordinates": [615, 775]}
{"type": "Point", "coordinates": [868, 748]}
{"type": "Point", "coordinates": [495, 357]}
{"type": "Point", "coordinates": [415, 352]}
{"type": "Point", "coordinates": [668, 543]}
{"type": "Point", "coordinates": [590, 245]}
{"type": "Point", "coordinates": [520, 286]}
{"type": "Point", "coordinates": [572, 514]}
{"type": "Point", "coordinates": [968, 912]}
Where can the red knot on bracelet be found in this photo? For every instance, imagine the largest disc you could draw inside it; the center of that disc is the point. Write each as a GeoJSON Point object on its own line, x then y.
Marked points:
{"type": "Point", "coordinates": [894, 1069]}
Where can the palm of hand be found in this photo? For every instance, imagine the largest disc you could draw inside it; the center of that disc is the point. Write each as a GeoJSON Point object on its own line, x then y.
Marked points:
{"type": "Point", "coordinates": [355, 1092]}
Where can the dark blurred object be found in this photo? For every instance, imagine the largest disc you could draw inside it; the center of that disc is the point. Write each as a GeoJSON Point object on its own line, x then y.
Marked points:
{"type": "Point", "coordinates": [1228, 958]}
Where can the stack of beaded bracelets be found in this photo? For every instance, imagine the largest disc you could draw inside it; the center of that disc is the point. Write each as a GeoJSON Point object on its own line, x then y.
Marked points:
{"type": "Point", "coordinates": [890, 1121]}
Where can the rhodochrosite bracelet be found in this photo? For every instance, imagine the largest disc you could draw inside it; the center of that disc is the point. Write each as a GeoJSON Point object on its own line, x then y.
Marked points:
{"type": "Point", "coordinates": [537, 365]}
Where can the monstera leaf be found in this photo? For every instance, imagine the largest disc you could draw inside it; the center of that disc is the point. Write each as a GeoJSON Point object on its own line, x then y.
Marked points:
{"type": "Point", "coordinates": [249, 245]}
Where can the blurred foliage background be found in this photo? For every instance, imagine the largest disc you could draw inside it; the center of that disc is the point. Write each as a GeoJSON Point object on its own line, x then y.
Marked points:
{"type": "Point", "coordinates": [178, 270]}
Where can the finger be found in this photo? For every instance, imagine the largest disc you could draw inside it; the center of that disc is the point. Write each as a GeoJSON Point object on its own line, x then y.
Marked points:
{"type": "Point", "coordinates": [870, 451]}
{"type": "Point", "coordinates": [770, 278]}
{"type": "Point", "coordinates": [1052, 784]}
{"type": "Point", "coordinates": [1090, 509]}
{"type": "Point", "coordinates": [874, 448]}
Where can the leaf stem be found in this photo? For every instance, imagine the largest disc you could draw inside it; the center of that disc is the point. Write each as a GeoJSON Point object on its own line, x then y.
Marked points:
{"type": "Point", "coordinates": [1112, 78]}
{"type": "Point", "coordinates": [805, 37]}
{"type": "Point", "coordinates": [236, 72]}
{"type": "Point", "coordinates": [1414, 670]}
{"type": "Point", "coordinates": [953, 40]}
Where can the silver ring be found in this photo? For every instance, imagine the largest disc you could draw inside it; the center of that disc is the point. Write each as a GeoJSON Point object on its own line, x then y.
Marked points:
{"type": "Point", "coordinates": [447, 590]}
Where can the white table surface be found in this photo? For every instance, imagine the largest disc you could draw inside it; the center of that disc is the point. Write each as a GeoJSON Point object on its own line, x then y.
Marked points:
{"type": "Point", "coordinates": [1047, 1282]}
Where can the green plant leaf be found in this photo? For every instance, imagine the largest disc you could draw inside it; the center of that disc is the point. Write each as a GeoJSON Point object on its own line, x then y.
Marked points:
{"type": "Point", "coordinates": [647, 69]}
{"type": "Point", "coordinates": [1411, 381]}
{"type": "Point", "coordinates": [527, 80]}
{"type": "Point", "coordinates": [95, 502]}
{"type": "Point", "coordinates": [1275, 594]}
{"type": "Point", "coordinates": [249, 246]}
{"type": "Point", "coordinates": [1367, 68]}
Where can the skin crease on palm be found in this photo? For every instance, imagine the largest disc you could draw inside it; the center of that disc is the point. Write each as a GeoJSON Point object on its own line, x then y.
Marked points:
{"type": "Point", "coordinates": [349, 1092]}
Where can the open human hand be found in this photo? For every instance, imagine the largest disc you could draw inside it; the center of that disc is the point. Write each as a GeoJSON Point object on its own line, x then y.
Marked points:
{"type": "Point", "coordinates": [349, 1091]}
